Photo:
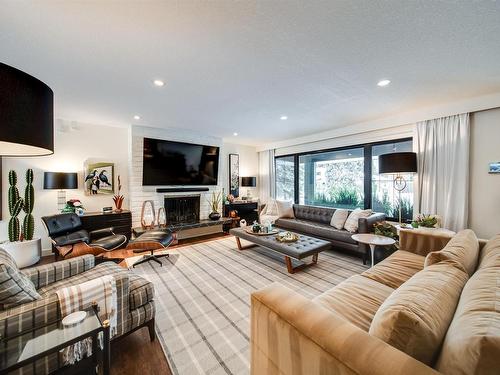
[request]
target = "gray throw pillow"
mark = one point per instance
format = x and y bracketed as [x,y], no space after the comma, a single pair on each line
[15,287]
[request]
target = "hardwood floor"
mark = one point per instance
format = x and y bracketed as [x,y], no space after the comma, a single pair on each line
[135,353]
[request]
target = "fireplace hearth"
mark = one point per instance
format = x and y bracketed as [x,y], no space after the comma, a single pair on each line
[182,209]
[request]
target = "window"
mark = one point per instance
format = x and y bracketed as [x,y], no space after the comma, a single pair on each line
[384,197]
[285,176]
[333,179]
[345,178]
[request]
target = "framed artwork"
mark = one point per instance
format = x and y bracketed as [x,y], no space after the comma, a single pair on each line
[99,178]
[494,167]
[234,175]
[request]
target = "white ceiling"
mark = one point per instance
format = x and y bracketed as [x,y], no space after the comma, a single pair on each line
[238,66]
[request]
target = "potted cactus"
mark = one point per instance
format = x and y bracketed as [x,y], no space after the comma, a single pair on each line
[24,249]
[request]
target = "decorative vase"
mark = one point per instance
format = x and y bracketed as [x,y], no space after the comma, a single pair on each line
[214,216]
[162,218]
[148,217]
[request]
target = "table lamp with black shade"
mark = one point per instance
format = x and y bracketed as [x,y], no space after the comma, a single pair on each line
[60,181]
[249,182]
[397,164]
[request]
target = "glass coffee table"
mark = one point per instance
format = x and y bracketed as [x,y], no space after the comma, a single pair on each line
[24,349]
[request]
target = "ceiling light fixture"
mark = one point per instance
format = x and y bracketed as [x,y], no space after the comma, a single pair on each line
[159,83]
[235,134]
[137,117]
[383,82]
[284,118]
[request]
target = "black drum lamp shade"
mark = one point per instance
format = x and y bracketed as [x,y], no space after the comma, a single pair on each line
[60,180]
[397,162]
[26,114]
[249,181]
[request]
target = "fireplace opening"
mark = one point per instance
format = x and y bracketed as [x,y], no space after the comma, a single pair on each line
[182,209]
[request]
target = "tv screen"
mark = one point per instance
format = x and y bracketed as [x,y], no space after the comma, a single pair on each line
[178,163]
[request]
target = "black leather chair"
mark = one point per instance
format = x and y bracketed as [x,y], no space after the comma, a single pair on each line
[71,239]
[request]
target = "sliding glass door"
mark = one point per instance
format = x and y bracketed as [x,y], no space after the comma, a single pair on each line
[344,178]
[332,179]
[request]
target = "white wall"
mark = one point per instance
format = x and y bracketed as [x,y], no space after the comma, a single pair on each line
[484,193]
[139,193]
[74,143]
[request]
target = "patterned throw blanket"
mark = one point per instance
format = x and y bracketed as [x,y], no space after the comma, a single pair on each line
[79,297]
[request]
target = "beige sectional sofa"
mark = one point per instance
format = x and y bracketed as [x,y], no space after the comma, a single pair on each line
[431,308]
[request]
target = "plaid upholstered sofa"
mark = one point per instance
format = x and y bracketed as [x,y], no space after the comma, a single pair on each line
[136,307]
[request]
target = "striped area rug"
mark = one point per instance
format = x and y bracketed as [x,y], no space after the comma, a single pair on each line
[203,300]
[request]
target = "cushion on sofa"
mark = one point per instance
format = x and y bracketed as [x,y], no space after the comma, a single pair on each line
[356,299]
[462,251]
[416,316]
[472,343]
[315,229]
[490,253]
[15,287]
[339,217]
[285,209]
[271,208]
[396,269]
[352,221]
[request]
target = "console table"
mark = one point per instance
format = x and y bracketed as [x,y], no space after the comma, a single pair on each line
[246,210]
[120,221]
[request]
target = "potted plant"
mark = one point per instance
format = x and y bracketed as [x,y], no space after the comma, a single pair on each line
[118,198]
[214,202]
[73,206]
[426,221]
[25,250]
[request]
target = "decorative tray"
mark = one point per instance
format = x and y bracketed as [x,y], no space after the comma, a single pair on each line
[287,237]
[250,231]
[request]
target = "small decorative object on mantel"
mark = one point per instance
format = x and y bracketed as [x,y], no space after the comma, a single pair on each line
[494,168]
[118,198]
[162,218]
[234,175]
[25,250]
[148,215]
[214,202]
[99,178]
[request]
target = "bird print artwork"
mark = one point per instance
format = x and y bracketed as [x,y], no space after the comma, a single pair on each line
[99,178]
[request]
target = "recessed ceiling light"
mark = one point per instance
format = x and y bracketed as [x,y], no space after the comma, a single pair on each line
[137,117]
[284,118]
[235,134]
[159,82]
[383,82]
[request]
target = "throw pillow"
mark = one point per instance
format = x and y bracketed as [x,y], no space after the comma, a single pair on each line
[416,316]
[339,217]
[285,209]
[15,287]
[462,251]
[352,221]
[271,208]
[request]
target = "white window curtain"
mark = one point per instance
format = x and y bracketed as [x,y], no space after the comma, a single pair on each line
[266,175]
[443,169]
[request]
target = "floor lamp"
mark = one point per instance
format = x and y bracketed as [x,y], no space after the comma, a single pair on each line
[396,164]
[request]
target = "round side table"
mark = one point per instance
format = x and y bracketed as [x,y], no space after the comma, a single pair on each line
[373,240]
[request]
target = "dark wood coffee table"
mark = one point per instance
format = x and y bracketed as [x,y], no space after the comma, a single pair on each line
[304,247]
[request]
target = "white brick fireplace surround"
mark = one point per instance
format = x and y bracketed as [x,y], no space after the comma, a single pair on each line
[138,193]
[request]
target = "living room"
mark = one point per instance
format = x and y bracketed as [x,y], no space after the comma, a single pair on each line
[297,187]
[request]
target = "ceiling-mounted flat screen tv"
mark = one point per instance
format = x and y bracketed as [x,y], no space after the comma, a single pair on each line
[178,163]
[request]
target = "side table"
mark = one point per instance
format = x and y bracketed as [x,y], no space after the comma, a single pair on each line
[373,240]
[21,350]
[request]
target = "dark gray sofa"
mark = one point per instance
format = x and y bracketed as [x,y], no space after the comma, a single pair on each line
[315,221]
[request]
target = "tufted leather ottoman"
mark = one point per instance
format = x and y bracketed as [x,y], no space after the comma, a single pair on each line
[305,247]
